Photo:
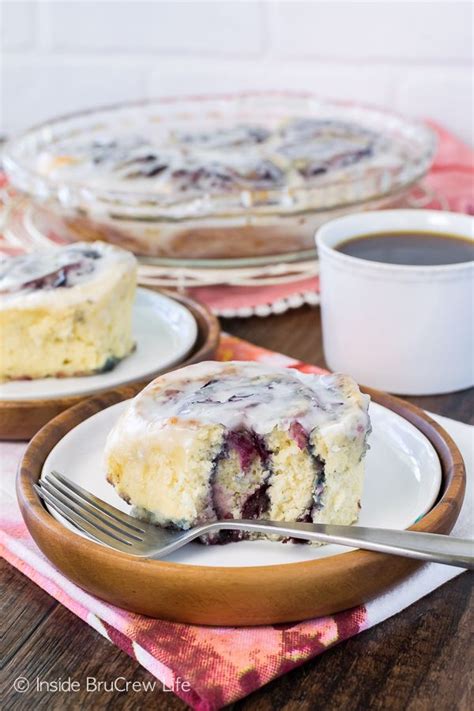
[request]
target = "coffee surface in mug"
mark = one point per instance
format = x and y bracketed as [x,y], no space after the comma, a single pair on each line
[410,248]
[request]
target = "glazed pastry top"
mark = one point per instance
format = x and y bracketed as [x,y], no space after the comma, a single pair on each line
[59,275]
[216,160]
[247,396]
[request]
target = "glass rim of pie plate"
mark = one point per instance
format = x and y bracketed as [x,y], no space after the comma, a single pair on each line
[364,182]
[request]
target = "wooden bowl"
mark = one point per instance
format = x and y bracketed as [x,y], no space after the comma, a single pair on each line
[228,596]
[22,419]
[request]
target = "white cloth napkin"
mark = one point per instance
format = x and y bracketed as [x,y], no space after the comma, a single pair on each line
[431,576]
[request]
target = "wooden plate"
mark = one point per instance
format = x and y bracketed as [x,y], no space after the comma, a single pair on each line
[220,595]
[22,419]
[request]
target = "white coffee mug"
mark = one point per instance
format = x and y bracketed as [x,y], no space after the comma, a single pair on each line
[405,329]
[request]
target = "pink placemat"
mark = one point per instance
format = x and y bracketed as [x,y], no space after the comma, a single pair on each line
[209,667]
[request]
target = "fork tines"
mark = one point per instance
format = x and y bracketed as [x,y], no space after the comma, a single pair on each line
[91,515]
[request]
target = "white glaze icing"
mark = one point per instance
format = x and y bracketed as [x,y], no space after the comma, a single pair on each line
[254,157]
[87,266]
[242,395]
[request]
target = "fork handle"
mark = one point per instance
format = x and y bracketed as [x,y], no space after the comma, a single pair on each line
[430,547]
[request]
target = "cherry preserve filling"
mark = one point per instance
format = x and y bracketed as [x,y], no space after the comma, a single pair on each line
[64,276]
[263,174]
[299,434]
[312,168]
[216,176]
[212,176]
[301,437]
[145,167]
[249,446]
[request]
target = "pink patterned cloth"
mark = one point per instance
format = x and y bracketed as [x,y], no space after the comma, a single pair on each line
[220,664]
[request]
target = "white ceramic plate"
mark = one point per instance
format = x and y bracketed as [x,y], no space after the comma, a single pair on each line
[403,478]
[164,331]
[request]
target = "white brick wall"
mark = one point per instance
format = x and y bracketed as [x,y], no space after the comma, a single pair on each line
[63,55]
[367,31]
[158,27]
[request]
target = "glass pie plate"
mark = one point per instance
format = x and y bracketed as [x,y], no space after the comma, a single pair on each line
[217,178]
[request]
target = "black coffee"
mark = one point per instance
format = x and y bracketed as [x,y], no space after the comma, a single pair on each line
[410,248]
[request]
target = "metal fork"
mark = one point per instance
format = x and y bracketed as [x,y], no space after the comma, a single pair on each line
[109,526]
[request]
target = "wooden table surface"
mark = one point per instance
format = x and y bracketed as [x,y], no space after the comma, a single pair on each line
[419,660]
